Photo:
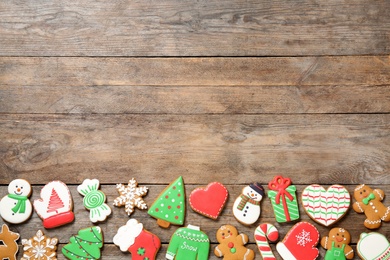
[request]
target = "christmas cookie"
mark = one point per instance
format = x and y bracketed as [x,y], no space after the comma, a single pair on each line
[94,200]
[326,206]
[373,246]
[16,207]
[283,199]
[40,247]
[337,244]
[9,247]
[188,243]
[131,196]
[369,202]
[300,243]
[209,201]
[139,242]
[55,205]
[246,208]
[86,245]
[169,207]
[263,233]
[232,244]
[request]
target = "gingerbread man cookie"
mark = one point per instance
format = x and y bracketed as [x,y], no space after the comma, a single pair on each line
[337,244]
[369,202]
[232,245]
[40,247]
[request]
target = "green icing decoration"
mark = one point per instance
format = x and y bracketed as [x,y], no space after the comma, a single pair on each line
[141,251]
[233,250]
[170,205]
[292,206]
[85,245]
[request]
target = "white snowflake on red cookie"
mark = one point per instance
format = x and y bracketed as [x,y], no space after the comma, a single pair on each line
[40,247]
[303,238]
[131,196]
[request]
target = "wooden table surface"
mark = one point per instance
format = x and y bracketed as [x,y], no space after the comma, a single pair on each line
[228,91]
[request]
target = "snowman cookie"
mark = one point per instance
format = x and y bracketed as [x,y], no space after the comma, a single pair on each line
[16,207]
[55,205]
[246,208]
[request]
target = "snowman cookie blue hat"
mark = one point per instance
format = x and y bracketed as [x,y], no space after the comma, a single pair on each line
[246,208]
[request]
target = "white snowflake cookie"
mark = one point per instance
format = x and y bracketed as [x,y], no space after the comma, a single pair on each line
[131,196]
[94,200]
[40,247]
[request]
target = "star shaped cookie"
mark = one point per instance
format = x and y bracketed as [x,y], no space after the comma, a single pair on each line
[131,196]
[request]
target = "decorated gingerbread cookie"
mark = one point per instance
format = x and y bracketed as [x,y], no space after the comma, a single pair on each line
[169,207]
[141,243]
[326,206]
[246,207]
[369,202]
[55,205]
[131,196]
[39,247]
[16,207]
[263,233]
[85,245]
[232,244]
[209,201]
[94,200]
[188,243]
[300,242]
[283,199]
[9,247]
[373,246]
[337,244]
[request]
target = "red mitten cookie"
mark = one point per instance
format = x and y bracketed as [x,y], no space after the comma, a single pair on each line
[300,242]
[369,202]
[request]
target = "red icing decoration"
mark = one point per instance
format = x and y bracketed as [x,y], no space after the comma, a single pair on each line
[280,184]
[209,201]
[230,244]
[149,242]
[58,220]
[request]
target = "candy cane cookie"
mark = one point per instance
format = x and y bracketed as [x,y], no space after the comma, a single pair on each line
[262,233]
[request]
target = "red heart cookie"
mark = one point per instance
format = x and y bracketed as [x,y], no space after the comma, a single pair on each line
[209,201]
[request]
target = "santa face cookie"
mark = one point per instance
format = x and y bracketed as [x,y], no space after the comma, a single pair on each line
[337,244]
[369,202]
[94,200]
[9,247]
[232,244]
[373,246]
[300,243]
[326,206]
[39,247]
[209,201]
[55,205]
[16,207]
[141,243]
[246,208]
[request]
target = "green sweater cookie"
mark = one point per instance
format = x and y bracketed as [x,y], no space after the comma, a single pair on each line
[188,243]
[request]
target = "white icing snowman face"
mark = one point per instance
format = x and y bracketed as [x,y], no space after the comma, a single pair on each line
[251,193]
[19,187]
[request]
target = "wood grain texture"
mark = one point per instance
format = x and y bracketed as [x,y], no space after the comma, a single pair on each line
[194,28]
[283,71]
[194,99]
[313,148]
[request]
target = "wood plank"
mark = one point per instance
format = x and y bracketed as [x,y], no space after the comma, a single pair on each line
[312,148]
[284,71]
[192,28]
[195,99]
[353,222]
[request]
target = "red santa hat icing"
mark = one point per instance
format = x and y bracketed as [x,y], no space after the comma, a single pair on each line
[139,242]
[300,243]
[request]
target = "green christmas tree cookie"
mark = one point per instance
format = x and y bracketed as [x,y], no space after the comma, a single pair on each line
[86,245]
[169,207]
